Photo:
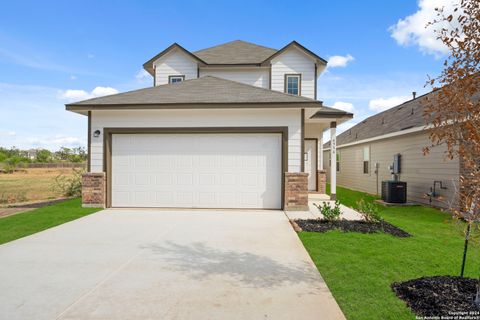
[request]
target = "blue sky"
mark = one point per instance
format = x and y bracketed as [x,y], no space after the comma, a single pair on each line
[53,52]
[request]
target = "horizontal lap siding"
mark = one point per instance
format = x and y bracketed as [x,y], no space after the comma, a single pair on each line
[418,171]
[199,118]
[291,62]
[174,63]
[254,77]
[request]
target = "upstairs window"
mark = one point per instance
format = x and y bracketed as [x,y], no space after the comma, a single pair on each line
[292,84]
[176,79]
[366,160]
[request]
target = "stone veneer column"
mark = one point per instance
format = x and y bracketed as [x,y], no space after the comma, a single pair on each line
[322,181]
[296,191]
[94,190]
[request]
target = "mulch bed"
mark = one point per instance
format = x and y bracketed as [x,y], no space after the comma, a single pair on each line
[440,296]
[318,225]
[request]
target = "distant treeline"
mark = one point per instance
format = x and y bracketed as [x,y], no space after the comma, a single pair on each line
[15,156]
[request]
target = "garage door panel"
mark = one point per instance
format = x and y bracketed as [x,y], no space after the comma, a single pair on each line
[196,170]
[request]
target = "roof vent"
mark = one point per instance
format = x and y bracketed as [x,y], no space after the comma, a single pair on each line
[412,112]
[414,94]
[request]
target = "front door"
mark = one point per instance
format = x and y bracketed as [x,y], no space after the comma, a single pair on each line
[310,158]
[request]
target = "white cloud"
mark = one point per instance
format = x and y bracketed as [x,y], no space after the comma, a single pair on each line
[142,74]
[382,104]
[103,91]
[76,95]
[345,106]
[54,142]
[90,56]
[413,29]
[8,133]
[36,114]
[72,77]
[341,128]
[339,61]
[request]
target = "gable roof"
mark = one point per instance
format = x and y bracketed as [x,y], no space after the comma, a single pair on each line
[233,53]
[405,116]
[148,66]
[205,92]
[295,44]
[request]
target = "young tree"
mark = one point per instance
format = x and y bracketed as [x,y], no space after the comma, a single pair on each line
[43,156]
[453,111]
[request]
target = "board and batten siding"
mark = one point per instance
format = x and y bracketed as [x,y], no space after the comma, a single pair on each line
[257,77]
[417,169]
[174,63]
[293,61]
[198,118]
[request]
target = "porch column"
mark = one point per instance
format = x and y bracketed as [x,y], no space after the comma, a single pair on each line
[333,156]
[320,152]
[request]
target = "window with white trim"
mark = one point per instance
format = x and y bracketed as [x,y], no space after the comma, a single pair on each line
[176,79]
[292,84]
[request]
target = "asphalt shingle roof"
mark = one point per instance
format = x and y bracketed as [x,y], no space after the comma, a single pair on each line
[235,52]
[204,90]
[402,117]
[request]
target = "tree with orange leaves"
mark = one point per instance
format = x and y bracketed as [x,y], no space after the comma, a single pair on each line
[453,111]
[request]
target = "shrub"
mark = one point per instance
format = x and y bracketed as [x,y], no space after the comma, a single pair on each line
[329,213]
[12,163]
[369,211]
[69,186]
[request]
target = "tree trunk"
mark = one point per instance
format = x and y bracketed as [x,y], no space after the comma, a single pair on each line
[467,236]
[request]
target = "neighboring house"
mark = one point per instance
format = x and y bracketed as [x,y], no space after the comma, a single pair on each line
[365,152]
[31,153]
[233,126]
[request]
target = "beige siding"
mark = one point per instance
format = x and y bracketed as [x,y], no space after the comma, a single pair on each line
[418,171]
[253,76]
[174,63]
[290,62]
[199,118]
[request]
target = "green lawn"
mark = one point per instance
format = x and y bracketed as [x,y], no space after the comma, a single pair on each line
[359,268]
[30,222]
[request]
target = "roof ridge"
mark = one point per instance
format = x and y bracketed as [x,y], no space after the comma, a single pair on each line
[233,41]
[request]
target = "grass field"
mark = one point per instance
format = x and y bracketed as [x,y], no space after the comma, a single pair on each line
[359,268]
[30,185]
[27,223]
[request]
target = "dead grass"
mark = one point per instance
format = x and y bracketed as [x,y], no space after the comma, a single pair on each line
[30,185]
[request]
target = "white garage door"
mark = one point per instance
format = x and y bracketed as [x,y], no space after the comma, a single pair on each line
[197,170]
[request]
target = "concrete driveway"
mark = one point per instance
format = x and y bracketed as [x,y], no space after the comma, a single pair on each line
[164,264]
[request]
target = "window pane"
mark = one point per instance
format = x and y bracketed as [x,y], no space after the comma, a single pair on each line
[293,84]
[366,153]
[366,166]
[176,79]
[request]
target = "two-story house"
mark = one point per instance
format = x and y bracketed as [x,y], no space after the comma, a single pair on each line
[233,126]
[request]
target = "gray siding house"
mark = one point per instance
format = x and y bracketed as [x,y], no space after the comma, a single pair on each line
[365,152]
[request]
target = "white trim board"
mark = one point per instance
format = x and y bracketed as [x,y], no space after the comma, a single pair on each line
[385,136]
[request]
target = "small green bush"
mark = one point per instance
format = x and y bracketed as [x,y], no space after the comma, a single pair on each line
[329,213]
[369,211]
[69,186]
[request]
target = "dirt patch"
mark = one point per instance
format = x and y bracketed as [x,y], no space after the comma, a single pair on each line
[439,296]
[18,208]
[31,185]
[318,225]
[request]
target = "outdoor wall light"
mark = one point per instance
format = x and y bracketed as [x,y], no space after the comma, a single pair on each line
[96,133]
